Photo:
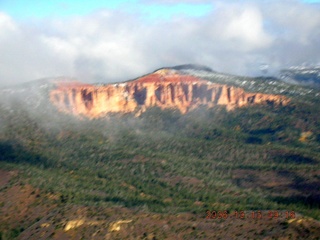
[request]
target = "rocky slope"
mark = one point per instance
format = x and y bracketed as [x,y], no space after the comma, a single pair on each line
[165,88]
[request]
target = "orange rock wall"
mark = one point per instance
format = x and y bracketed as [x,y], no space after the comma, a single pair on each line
[158,89]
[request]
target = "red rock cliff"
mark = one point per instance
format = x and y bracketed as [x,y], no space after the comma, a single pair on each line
[164,88]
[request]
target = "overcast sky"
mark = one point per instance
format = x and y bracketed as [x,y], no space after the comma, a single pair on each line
[107,41]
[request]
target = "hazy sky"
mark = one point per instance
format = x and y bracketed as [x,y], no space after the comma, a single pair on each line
[115,40]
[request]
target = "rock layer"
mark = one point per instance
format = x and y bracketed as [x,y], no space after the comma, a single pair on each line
[164,88]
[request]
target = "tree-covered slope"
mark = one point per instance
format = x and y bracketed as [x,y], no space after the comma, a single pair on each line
[256,158]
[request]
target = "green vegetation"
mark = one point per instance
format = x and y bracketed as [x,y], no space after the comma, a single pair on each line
[253,158]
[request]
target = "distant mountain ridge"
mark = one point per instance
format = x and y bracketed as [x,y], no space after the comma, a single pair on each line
[165,88]
[302,75]
[182,87]
[196,67]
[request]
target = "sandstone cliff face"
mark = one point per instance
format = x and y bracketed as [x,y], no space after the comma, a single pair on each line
[164,88]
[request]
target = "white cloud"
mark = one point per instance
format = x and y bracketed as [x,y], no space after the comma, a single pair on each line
[246,26]
[6,24]
[236,37]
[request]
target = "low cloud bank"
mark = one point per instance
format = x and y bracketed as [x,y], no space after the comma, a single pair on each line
[247,38]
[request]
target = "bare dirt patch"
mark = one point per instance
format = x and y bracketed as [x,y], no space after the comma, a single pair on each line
[5,176]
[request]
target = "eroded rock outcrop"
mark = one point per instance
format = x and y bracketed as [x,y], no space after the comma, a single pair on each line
[164,88]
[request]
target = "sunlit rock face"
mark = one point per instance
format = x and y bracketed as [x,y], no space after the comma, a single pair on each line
[165,88]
